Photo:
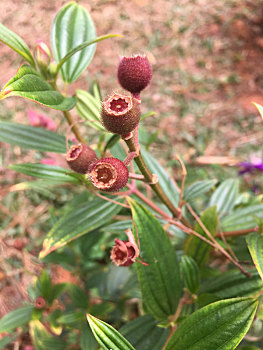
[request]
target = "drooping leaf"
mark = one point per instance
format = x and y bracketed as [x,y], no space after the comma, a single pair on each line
[220,325]
[89,108]
[164,178]
[144,334]
[41,338]
[159,281]
[71,27]
[255,246]
[16,318]
[31,137]
[194,246]
[76,222]
[198,188]
[17,44]
[190,273]
[225,196]
[233,284]
[29,84]
[242,218]
[108,337]
[44,171]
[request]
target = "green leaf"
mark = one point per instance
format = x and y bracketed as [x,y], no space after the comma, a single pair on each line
[160,280]
[89,108]
[233,284]
[259,108]
[220,325]
[12,40]
[41,338]
[107,336]
[194,246]
[71,317]
[242,218]
[78,221]
[225,196]
[165,180]
[45,171]
[87,339]
[78,296]
[82,47]
[144,334]
[16,318]
[31,137]
[45,286]
[148,114]
[29,84]
[255,246]
[198,188]
[190,273]
[72,26]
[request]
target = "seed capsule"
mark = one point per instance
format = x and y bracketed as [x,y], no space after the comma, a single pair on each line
[80,157]
[120,114]
[109,174]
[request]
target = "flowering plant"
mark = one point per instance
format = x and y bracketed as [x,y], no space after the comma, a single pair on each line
[185,279]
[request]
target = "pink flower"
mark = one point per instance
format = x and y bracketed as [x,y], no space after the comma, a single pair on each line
[48,161]
[39,120]
[124,253]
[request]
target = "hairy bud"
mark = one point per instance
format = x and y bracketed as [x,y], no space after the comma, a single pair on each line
[109,174]
[80,157]
[134,73]
[40,303]
[43,55]
[120,114]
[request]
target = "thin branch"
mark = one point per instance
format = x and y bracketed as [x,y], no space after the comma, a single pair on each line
[184,174]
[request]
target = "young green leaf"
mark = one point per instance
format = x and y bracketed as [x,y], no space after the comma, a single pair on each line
[144,334]
[107,336]
[17,44]
[72,26]
[29,84]
[89,108]
[16,318]
[31,137]
[44,171]
[159,281]
[190,273]
[194,246]
[259,108]
[225,196]
[220,325]
[76,222]
[255,246]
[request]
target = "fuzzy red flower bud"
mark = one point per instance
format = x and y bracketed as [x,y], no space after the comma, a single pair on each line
[134,73]
[80,158]
[40,303]
[120,114]
[124,253]
[109,174]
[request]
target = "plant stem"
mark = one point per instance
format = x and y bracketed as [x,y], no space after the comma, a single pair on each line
[156,187]
[74,128]
[238,232]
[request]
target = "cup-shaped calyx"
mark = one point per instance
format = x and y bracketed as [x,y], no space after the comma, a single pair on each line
[109,174]
[120,114]
[134,73]
[80,157]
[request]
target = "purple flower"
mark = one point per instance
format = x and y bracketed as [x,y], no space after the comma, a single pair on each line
[250,167]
